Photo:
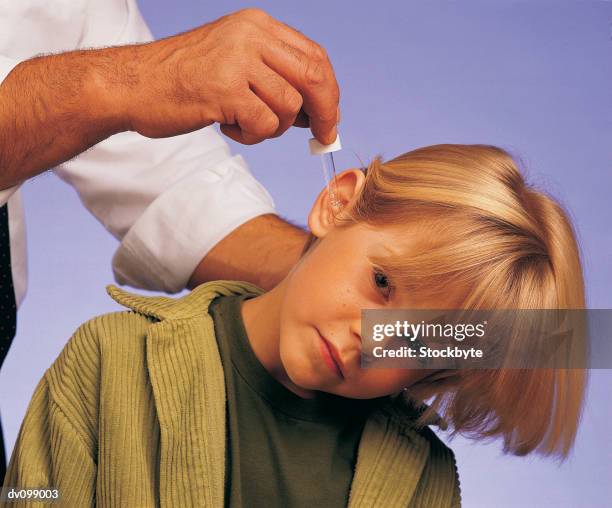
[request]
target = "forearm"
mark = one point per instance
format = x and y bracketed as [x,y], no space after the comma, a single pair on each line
[54,107]
[261,251]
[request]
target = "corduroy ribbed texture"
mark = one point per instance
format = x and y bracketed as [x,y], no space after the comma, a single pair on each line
[132,414]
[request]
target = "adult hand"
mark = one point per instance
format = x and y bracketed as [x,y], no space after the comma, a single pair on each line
[247,71]
[250,73]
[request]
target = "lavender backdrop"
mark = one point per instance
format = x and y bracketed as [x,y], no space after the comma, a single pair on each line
[533,77]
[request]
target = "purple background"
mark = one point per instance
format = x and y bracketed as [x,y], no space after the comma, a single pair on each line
[532,77]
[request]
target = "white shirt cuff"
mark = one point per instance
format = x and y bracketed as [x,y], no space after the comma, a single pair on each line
[167,242]
[6,66]
[5,194]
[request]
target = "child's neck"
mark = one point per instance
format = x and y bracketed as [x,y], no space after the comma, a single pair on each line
[261,317]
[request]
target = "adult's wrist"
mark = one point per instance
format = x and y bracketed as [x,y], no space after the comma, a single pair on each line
[113,78]
[261,251]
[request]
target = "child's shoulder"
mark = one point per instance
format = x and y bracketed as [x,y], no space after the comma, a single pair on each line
[99,341]
[106,329]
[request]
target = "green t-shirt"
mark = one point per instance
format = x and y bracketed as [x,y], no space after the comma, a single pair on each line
[282,450]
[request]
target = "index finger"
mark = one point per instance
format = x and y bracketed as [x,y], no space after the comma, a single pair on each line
[321,101]
[317,82]
[313,77]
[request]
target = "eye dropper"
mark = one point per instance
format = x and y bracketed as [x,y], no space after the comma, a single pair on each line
[329,169]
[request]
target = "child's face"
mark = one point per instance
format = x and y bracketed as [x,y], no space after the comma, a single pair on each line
[321,304]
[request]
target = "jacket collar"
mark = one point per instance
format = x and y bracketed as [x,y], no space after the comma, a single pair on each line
[192,304]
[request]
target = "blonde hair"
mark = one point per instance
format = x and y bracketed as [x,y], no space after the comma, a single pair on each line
[512,247]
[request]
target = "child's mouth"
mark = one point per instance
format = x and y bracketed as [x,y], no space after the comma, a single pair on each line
[328,354]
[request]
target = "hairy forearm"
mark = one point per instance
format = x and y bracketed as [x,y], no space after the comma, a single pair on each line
[261,251]
[54,107]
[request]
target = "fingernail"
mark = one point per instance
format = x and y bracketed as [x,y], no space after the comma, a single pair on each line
[332,137]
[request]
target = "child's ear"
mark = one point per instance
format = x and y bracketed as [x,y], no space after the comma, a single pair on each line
[348,186]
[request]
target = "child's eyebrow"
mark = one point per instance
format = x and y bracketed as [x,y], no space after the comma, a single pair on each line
[385,264]
[378,254]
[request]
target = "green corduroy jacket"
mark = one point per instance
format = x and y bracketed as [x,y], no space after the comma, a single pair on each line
[133,414]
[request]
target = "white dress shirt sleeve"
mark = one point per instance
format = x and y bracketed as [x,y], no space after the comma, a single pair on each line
[6,66]
[10,196]
[169,201]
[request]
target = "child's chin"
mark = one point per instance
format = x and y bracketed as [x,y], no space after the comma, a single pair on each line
[304,377]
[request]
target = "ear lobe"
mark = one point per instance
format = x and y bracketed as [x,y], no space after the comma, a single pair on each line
[348,186]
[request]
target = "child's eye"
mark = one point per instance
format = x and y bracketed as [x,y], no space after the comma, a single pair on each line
[382,282]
